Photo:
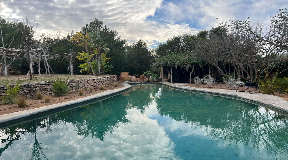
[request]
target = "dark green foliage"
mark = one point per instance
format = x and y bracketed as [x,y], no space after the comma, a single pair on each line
[10,94]
[139,58]
[202,34]
[60,48]
[183,43]
[60,88]
[11,33]
[266,85]
[155,76]
[147,74]
[109,39]
[220,31]
[280,85]
[270,86]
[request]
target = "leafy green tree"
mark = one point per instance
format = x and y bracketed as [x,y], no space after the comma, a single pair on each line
[176,44]
[10,37]
[107,38]
[63,53]
[97,43]
[89,66]
[27,35]
[139,58]
[85,41]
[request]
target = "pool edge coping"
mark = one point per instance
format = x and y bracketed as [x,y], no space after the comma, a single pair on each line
[26,113]
[259,98]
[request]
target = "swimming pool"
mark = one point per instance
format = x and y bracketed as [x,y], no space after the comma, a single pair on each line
[152,122]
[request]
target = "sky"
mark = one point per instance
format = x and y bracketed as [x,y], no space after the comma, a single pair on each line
[153,21]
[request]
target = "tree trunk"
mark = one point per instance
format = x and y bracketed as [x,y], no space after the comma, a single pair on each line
[161,73]
[171,75]
[39,63]
[71,63]
[256,72]
[191,74]
[5,64]
[45,65]
[220,71]
[4,56]
[30,64]
[251,74]
[93,72]
[98,61]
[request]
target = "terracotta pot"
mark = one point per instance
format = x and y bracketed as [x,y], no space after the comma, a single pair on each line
[125,76]
[133,79]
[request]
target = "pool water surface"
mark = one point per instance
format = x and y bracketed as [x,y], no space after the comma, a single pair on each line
[152,122]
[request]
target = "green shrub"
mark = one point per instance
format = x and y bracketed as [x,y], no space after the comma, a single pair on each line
[286,91]
[280,85]
[155,76]
[10,94]
[266,85]
[147,74]
[60,88]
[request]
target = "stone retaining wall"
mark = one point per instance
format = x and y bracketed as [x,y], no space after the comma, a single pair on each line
[46,87]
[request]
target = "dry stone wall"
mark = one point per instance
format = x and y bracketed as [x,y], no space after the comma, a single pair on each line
[46,87]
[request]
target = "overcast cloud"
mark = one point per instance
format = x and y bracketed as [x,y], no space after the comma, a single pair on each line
[153,21]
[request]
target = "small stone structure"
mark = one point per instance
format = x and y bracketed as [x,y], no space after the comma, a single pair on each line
[46,87]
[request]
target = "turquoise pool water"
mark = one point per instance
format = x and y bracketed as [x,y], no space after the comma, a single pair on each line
[144,123]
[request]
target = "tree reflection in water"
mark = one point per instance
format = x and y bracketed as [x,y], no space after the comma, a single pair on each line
[232,121]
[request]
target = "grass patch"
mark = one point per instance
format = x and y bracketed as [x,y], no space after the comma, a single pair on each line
[102,87]
[21,102]
[81,92]
[39,95]
[91,89]
[47,99]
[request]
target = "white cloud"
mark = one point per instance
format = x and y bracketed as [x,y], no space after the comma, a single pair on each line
[141,138]
[129,17]
[126,16]
[216,12]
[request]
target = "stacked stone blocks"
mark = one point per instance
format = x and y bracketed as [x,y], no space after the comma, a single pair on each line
[46,87]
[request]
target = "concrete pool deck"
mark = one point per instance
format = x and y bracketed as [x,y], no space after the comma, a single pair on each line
[21,114]
[270,100]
